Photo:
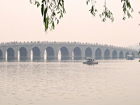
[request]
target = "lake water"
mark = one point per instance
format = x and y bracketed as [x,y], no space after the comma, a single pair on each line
[111,82]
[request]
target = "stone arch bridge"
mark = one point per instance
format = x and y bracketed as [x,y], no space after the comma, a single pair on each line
[68,50]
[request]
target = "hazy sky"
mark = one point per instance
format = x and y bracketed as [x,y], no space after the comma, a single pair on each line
[22,21]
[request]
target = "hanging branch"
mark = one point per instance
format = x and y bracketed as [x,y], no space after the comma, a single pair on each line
[106,14]
[52,11]
[127,9]
[92,10]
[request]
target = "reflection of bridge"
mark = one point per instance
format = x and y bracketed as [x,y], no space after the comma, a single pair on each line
[69,50]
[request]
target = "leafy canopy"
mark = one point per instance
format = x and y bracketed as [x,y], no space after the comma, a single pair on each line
[53,10]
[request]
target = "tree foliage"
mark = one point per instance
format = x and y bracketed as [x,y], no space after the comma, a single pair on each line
[53,10]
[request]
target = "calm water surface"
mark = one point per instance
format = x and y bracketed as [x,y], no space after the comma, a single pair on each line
[111,82]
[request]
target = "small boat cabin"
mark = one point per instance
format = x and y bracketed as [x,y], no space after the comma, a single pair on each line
[129,57]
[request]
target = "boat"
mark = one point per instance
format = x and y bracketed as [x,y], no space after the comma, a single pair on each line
[129,57]
[90,61]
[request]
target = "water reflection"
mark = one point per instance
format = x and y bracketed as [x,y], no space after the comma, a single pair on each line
[70,83]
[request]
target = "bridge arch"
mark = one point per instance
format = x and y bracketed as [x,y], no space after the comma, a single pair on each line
[23,53]
[127,53]
[107,54]
[98,53]
[50,53]
[1,54]
[10,54]
[74,50]
[88,52]
[77,53]
[36,53]
[114,54]
[121,54]
[64,53]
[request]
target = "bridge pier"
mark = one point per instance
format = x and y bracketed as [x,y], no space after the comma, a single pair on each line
[82,57]
[93,53]
[3,57]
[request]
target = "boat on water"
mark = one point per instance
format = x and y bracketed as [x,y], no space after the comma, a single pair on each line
[129,57]
[90,61]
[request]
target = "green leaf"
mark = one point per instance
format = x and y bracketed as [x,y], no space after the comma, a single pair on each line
[37,3]
[53,25]
[57,21]
[124,18]
[45,12]
[112,19]
[47,23]
[43,1]
[61,15]
[53,14]
[96,10]
[42,9]
[87,2]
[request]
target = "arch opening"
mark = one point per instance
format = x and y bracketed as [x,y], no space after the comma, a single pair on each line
[114,54]
[121,55]
[64,55]
[36,53]
[107,54]
[22,53]
[10,54]
[77,53]
[98,53]
[50,53]
[88,52]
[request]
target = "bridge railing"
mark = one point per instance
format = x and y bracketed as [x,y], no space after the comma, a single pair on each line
[54,42]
